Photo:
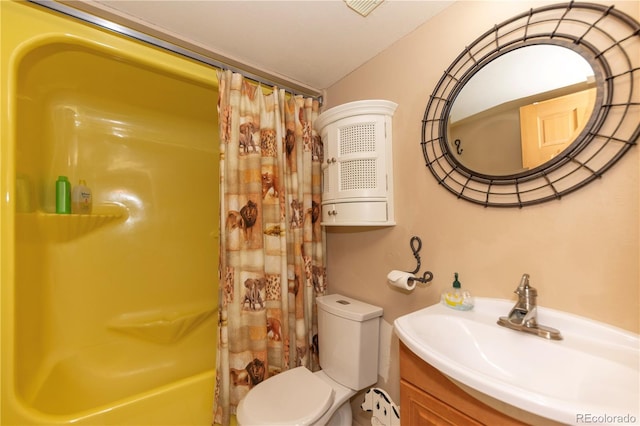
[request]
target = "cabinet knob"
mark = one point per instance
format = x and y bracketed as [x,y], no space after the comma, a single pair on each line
[331,160]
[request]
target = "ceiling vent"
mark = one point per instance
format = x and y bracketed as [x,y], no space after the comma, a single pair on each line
[363,7]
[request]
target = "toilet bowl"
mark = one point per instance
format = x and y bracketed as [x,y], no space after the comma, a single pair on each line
[348,332]
[297,397]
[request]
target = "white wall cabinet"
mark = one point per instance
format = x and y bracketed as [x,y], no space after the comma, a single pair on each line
[357,167]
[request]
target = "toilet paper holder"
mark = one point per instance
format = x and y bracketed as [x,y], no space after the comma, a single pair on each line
[427,276]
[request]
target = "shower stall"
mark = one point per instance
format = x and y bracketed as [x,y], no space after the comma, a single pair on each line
[108,317]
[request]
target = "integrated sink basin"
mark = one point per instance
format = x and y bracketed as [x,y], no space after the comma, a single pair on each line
[591,376]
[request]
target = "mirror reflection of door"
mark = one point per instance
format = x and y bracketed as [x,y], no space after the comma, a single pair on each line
[548,127]
[485,115]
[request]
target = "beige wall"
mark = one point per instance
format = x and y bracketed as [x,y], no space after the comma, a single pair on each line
[582,251]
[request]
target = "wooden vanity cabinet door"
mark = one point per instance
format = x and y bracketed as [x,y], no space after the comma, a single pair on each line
[428,397]
[420,408]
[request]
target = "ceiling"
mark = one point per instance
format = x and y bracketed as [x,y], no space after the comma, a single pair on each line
[310,43]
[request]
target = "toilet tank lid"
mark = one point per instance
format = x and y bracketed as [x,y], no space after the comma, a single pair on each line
[348,308]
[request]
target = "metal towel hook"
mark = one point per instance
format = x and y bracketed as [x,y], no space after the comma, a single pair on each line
[427,276]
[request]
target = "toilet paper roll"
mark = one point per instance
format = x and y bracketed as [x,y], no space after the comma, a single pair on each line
[401,279]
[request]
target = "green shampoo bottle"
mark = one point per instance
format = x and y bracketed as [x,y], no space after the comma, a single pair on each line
[63,195]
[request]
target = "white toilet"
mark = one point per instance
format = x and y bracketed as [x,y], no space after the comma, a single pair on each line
[348,345]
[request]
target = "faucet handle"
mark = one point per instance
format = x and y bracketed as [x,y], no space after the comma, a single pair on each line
[523,286]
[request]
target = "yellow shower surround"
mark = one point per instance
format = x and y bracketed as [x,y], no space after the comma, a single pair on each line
[108,318]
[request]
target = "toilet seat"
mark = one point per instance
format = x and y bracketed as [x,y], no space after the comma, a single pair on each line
[293,397]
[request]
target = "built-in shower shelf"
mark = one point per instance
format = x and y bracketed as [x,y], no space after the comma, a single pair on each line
[64,227]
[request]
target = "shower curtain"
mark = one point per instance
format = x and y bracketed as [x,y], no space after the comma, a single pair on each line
[271,247]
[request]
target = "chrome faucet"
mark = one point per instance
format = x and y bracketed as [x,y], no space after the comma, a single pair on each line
[525,312]
[524,315]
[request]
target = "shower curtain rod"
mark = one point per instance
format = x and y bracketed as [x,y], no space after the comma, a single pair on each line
[180,47]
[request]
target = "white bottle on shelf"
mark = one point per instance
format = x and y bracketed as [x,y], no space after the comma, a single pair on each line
[81,198]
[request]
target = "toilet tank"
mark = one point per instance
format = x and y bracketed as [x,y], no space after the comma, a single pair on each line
[348,339]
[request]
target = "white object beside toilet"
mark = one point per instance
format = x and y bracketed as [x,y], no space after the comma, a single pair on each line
[348,335]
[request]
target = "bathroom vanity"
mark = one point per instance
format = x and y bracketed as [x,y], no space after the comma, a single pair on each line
[462,367]
[427,397]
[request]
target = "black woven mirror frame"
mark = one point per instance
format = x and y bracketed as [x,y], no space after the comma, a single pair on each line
[609,40]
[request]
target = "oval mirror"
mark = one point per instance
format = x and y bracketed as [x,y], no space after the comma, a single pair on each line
[493,126]
[537,107]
